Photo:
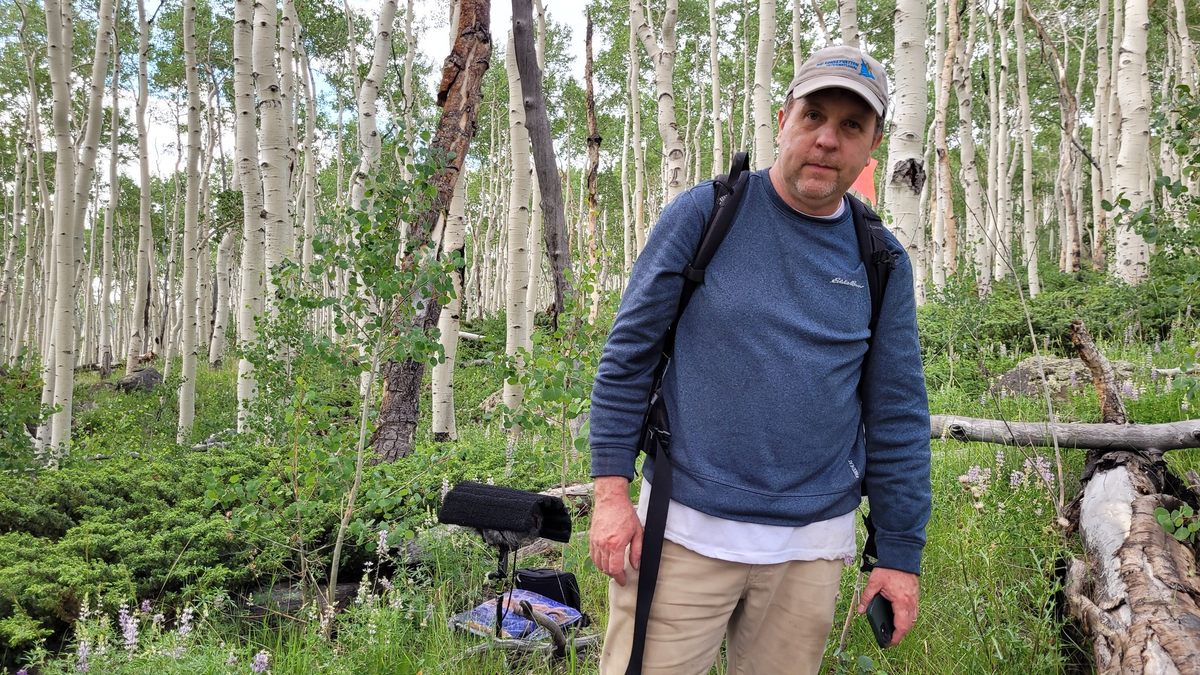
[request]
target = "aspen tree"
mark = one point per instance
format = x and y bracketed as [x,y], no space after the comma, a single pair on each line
[444,427]
[764,66]
[593,168]
[250,305]
[848,21]
[662,55]
[73,208]
[744,143]
[518,222]
[1028,215]
[945,230]
[187,315]
[138,326]
[369,142]
[639,156]
[106,333]
[273,151]
[8,278]
[976,218]
[906,168]
[1129,180]
[714,67]
[537,216]
[554,230]
[1002,204]
[454,232]
[1113,137]
[216,346]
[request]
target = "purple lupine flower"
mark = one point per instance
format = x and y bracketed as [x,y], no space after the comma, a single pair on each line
[81,656]
[381,550]
[1016,479]
[973,474]
[1074,380]
[1000,459]
[262,661]
[22,672]
[145,608]
[129,627]
[185,621]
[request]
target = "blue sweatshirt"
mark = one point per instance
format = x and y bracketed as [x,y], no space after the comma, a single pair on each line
[763,392]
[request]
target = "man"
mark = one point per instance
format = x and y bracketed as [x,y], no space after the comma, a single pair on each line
[770,441]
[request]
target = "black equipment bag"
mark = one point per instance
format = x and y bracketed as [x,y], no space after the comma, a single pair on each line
[554,584]
[655,438]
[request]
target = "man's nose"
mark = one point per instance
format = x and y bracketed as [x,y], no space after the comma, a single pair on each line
[827,136]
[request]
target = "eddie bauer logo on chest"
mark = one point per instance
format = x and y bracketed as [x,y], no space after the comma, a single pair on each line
[845,282]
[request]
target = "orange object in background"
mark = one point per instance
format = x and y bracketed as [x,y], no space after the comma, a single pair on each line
[864,185]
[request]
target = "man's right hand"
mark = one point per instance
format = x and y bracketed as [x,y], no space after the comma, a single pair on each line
[615,526]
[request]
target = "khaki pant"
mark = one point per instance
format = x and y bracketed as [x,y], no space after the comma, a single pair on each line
[776,617]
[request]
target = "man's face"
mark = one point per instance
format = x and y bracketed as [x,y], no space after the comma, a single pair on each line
[825,140]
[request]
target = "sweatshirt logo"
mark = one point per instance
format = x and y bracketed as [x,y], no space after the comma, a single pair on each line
[853,469]
[845,282]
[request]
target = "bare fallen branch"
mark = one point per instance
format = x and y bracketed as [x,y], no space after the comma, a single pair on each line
[1135,437]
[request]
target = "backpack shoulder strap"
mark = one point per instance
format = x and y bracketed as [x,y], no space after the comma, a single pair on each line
[727,194]
[878,261]
[872,246]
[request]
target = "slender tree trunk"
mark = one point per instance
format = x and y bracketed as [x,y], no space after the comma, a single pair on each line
[216,348]
[764,67]
[714,67]
[663,57]
[106,333]
[906,174]
[1130,177]
[137,332]
[848,20]
[369,143]
[593,170]
[1028,214]
[250,305]
[518,236]
[944,237]
[444,428]
[639,156]
[975,215]
[191,226]
[553,208]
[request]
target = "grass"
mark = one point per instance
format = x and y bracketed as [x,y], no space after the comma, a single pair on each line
[989,581]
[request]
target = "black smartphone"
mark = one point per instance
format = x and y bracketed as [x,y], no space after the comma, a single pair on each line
[879,615]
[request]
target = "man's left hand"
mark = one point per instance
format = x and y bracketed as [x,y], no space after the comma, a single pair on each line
[902,589]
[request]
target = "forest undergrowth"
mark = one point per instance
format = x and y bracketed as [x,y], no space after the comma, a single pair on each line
[138,555]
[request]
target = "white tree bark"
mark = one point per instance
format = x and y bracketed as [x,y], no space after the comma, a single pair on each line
[1129,180]
[764,67]
[444,427]
[369,143]
[714,68]
[906,172]
[517,330]
[74,209]
[273,151]
[639,155]
[250,305]
[216,346]
[106,265]
[1028,214]
[191,226]
[975,215]
[137,332]
[663,57]
[848,20]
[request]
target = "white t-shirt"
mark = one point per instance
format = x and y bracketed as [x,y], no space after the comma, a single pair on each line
[754,543]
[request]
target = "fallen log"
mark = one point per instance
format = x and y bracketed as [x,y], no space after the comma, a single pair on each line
[1138,594]
[1103,437]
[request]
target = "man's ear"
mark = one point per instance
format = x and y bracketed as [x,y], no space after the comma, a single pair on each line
[782,110]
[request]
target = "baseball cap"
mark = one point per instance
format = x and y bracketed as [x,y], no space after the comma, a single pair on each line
[842,67]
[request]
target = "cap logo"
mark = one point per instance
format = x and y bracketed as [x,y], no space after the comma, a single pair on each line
[866,71]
